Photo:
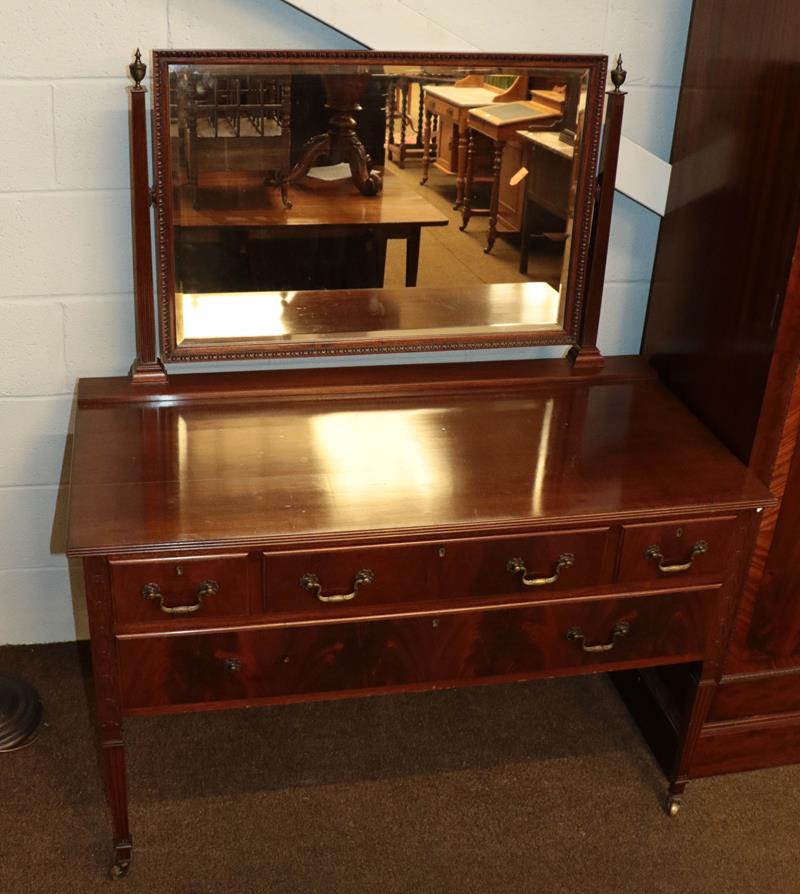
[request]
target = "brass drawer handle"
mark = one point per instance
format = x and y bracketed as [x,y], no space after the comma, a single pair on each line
[576,634]
[517,566]
[362,578]
[207,588]
[653,553]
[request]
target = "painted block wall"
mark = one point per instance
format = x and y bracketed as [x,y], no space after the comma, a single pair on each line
[65,273]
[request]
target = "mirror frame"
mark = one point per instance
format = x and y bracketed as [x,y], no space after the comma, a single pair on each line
[243,349]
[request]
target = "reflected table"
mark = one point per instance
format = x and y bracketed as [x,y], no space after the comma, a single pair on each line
[320,210]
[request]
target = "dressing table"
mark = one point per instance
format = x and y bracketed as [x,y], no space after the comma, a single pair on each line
[249,538]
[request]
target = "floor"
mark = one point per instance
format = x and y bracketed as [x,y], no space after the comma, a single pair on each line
[450,257]
[543,787]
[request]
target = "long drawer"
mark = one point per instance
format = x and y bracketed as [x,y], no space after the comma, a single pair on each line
[335,583]
[422,651]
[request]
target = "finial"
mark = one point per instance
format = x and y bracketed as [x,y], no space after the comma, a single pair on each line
[138,69]
[618,74]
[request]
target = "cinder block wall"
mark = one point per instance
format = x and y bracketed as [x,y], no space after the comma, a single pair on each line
[65,272]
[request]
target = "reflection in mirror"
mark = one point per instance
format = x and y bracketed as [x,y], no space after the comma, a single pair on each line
[298,190]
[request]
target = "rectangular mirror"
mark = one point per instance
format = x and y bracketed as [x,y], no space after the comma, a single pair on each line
[346,203]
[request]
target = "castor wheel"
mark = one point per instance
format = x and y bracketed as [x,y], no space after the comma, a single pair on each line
[673,806]
[120,869]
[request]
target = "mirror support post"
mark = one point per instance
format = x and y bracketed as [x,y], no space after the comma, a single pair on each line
[585,353]
[147,368]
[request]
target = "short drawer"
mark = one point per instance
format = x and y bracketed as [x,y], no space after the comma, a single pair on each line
[438,106]
[676,550]
[418,652]
[327,583]
[533,565]
[169,590]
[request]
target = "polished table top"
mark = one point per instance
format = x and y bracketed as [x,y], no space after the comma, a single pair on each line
[246,472]
[315,203]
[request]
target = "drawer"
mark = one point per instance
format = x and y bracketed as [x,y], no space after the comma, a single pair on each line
[677,550]
[534,565]
[419,652]
[332,582]
[339,582]
[438,106]
[170,590]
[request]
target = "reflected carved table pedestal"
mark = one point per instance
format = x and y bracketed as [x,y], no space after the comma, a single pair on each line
[341,142]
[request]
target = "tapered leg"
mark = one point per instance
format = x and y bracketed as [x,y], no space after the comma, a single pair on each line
[426,148]
[466,212]
[412,256]
[379,254]
[495,199]
[109,715]
[701,703]
[525,235]
[113,756]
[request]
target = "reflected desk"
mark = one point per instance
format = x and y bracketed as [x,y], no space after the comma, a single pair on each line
[501,125]
[549,185]
[449,105]
[254,538]
[320,210]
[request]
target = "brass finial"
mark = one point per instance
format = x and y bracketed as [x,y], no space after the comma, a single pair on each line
[618,74]
[138,69]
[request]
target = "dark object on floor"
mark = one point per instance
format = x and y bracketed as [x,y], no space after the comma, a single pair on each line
[20,713]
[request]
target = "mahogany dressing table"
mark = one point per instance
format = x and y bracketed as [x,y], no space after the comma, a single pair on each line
[251,538]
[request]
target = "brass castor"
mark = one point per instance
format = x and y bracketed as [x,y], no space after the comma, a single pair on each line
[674,805]
[120,869]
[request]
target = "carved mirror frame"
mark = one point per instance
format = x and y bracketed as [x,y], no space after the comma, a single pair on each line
[584,235]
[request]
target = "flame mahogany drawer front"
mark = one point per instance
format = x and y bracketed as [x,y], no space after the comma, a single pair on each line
[676,550]
[177,589]
[421,652]
[337,582]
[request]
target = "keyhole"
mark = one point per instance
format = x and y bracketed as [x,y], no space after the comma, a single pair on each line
[179,570]
[679,532]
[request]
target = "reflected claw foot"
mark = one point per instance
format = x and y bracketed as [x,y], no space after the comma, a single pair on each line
[423,181]
[120,869]
[674,805]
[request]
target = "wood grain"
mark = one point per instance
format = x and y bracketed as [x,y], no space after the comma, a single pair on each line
[252,473]
[501,644]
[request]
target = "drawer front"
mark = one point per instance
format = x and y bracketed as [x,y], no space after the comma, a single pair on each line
[175,589]
[439,106]
[337,583]
[676,550]
[535,565]
[330,583]
[417,652]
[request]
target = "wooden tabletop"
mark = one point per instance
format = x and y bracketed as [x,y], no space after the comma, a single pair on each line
[463,97]
[550,140]
[217,471]
[315,203]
